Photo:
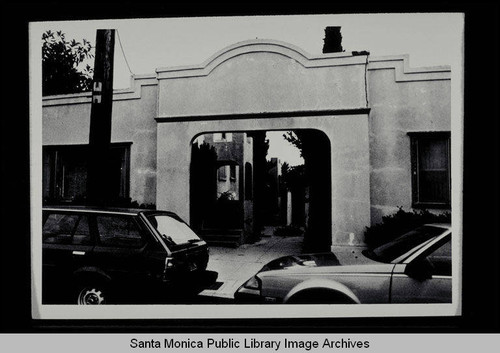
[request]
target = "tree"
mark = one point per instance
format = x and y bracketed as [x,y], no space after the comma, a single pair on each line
[295,141]
[61,64]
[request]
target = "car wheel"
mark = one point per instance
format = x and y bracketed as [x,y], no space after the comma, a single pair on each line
[92,294]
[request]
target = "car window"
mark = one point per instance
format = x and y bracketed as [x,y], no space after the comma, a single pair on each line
[441,259]
[172,229]
[404,244]
[60,228]
[119,232]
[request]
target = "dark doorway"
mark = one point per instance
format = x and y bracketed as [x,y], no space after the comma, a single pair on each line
[238,189]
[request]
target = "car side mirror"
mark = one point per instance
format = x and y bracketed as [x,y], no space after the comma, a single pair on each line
[419,270]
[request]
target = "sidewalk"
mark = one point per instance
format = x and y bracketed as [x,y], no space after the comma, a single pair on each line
[236,265]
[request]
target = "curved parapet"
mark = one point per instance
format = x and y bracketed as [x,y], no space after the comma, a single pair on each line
[261,46]
[257,76]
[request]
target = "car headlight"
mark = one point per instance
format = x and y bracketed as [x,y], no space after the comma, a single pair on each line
[253,283]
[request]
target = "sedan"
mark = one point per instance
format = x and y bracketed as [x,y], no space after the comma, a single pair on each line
[413,268]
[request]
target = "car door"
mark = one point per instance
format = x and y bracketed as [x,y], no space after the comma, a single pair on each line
[120,251]
[67,244]
[426,278]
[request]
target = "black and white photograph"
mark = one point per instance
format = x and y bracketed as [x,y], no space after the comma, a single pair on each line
[247,166]
[259,180]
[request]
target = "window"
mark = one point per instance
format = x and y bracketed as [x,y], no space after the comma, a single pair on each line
[430,159]
[65,172]
[172,229]
[441,260]
[60,228]
[221,173]
[119,232]
[232,172]
[399,249]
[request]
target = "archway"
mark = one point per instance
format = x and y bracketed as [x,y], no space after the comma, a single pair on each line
[266,85]
[237,189]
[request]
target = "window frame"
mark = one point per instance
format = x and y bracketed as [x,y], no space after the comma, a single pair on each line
[222,173]
[415,139]
[128,218]
[79,216]
[54,157]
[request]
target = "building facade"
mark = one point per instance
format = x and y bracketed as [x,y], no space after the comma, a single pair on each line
[383,127]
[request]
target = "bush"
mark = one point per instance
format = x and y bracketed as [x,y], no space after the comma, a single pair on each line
[399,223]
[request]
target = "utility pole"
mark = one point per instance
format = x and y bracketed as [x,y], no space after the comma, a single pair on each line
[98,175]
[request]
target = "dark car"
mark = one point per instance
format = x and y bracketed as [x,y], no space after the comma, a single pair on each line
[413,268]
[103,256]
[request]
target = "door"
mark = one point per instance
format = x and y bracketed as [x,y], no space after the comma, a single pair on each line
[426,279]
[67,245]
[121,249]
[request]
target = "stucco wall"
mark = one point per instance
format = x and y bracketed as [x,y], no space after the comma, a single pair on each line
[268,85]
[233,91]
[261,76]
[401,103]
[348,135]
[66,120]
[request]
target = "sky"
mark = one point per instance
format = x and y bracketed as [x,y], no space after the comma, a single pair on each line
[143,45]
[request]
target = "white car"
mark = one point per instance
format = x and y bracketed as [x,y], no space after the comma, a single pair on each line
[413,268]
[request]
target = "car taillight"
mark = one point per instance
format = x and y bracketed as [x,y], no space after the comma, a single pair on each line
[253,283]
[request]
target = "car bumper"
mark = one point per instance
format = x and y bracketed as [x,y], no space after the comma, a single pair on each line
[193,282]
[252,296]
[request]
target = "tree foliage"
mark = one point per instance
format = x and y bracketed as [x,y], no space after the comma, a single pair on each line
[295,141]
[293,177]
[63,64]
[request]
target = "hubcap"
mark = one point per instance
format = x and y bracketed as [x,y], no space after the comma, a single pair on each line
[90,296]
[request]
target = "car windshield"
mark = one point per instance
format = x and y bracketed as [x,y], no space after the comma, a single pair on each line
[173,230]
[394,249]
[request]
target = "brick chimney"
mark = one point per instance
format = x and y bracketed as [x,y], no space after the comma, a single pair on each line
[332,40]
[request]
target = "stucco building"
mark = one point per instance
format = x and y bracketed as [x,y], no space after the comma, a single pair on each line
[382,127]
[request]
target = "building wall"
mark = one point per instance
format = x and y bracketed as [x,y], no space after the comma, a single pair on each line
[349,159]
[401,101]
[66,120]
[262,76]
[237,90]
[365,106]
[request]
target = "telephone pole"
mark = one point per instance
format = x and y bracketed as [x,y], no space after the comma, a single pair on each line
[98,175]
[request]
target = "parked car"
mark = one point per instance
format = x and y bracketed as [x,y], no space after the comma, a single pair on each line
[414,268]
[101,256]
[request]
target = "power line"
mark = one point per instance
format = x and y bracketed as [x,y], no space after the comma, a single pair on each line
[123,52]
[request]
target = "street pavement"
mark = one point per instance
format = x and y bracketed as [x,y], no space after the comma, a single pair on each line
[236,265]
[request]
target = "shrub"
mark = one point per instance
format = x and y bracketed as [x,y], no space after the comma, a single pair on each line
[399,223]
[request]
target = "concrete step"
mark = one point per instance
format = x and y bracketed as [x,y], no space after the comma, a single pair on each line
[222,237]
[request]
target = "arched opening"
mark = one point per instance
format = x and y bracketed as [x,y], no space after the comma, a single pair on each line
[239,190]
